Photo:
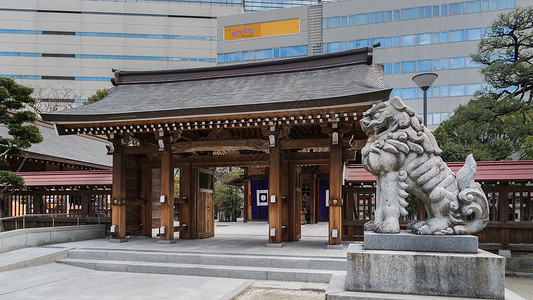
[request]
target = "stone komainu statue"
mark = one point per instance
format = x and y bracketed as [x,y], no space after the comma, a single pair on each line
[404,156]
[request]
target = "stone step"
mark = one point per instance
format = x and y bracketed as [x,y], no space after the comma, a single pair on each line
[226,271]
[286,262]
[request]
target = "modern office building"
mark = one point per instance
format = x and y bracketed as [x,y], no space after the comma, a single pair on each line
[434,36]
[67,48]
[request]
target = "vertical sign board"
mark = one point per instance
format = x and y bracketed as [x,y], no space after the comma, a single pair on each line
[261,30]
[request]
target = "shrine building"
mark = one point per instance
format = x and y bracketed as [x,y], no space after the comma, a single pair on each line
[281,116]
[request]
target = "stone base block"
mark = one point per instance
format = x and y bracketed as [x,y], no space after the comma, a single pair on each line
[336,291]
[334,247]
[118,240]
[480,275]
[407,241]
[166,242]
[273,245]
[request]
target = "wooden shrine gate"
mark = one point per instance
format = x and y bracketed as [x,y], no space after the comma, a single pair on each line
[281,114]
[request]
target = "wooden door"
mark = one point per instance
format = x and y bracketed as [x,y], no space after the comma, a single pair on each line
[205,203]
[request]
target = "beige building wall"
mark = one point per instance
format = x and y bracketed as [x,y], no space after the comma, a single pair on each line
[62,44]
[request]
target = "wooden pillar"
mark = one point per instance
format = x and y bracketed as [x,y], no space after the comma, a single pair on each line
[286,219]
[313,215]
[274,200]
[167,195]
[188,206]
[335,193]
[146,192]
[503,200]
[246,200]
[118,208]
[294,217]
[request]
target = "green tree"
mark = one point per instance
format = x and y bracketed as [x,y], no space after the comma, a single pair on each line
[21,134]
[98,95]
[497,123]
[228,198]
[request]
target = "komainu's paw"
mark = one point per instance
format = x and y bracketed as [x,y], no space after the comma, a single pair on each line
[390,225]
[411,225]
[370,226]
[433,226]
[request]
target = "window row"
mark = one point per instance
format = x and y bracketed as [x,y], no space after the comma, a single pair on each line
[38,77]
[421,12]
[271,53]
[454,90]
[471,34]
[452,63]
[100,56]
[112,34]
[437,118]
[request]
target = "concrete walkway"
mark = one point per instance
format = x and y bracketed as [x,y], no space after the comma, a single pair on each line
[36,278]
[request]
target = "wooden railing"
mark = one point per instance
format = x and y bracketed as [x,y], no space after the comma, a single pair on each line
[511,215]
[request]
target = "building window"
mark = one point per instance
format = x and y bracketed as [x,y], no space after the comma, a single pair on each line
[283,52]
[351,20]
[351,45]
[409,93]
[473,34]
[424,65]
[303,50]
[396,15]
[485,5]
[397,68]
[344,21]
[266,54]
[457,90]
[379,40]
[377,17]
[471,89]
[444,37]
[408,13]
[444,64]
[423,38]
[333,47]
[361,43]
[397,41]
[408,66]
[436,37]
[436,11]
[293,51]
[424,12]
[361,19]
[408,40]
[238,56]
[471,63]
[493,4]
[457,8]
[333,22]
[436,64]
[344,46]
[457,63]
[435,91]
[472,7]
[444,10]
[507,4]
[388,42]
[457,35]
[444,91]
[388,68]
[388,16]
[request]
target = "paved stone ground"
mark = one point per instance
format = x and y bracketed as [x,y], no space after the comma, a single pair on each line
[57,281]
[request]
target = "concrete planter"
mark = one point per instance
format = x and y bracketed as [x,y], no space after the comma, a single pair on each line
[22,238]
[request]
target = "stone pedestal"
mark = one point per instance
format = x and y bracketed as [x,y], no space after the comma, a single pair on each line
[480,275]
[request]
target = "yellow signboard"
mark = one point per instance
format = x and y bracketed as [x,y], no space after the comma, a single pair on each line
[261,30]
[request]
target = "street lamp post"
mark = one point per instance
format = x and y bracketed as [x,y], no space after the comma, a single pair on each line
[424,81]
